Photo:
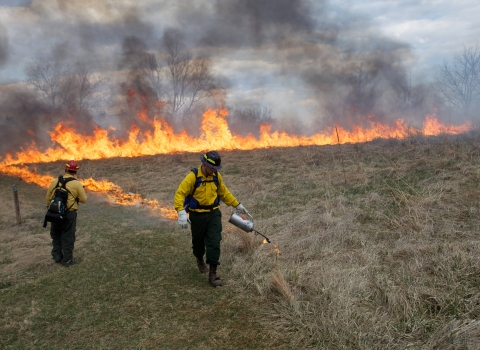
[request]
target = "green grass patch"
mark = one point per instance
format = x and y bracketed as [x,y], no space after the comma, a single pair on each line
[136,286]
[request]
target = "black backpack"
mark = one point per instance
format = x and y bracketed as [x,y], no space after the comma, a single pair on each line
[57,209]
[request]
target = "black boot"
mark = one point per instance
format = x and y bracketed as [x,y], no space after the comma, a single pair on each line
[202,267]
[212,276]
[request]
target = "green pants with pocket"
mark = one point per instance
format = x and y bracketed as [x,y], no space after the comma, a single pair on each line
[206,235]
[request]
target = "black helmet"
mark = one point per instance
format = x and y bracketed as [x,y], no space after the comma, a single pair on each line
[212,159]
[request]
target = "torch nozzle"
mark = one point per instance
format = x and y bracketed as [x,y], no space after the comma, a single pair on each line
[258,233]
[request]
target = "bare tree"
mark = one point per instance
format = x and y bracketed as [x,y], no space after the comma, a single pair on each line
[189,79]
[51,80]
[410,96]
[89,88]
[64,87]
[364,90]
[247,119]
[201,81]
[178,61]
[178,79]
[459,83]
[151,69]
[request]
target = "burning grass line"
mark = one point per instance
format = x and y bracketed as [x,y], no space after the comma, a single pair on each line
[214,134]
[113,192]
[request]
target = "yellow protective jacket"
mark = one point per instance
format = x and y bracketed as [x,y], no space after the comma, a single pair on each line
[75,188]
[205,194]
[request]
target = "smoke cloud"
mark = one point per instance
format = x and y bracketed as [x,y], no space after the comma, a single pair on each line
[3,45]
[303,64]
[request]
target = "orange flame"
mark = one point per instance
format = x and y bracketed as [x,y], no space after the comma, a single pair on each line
[116,195]
[215,134]
[432,127]
[26,175]
[277,251]
[112,191]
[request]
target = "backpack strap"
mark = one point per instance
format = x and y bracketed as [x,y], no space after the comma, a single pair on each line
[195,171]
[63,182]
[198,182]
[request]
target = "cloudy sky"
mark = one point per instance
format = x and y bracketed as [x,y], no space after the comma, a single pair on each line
[435,29]
[286,53]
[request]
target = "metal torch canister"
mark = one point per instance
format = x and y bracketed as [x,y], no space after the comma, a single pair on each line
[241,222]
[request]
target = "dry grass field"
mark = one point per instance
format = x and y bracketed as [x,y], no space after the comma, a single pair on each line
[379,249]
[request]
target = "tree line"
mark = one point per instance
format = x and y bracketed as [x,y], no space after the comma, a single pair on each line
[179,81]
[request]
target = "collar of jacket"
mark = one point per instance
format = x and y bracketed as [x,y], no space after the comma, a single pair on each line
[200,173]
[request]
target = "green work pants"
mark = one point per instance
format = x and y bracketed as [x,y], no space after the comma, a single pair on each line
[206,235]
[63,237]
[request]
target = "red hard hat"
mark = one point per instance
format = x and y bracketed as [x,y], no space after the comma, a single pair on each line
[71,166]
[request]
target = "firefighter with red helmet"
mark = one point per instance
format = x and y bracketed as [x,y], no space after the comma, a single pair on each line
[200,194]
[63,233]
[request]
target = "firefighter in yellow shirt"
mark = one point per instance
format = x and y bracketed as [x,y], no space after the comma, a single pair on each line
[200,194]
[63,233]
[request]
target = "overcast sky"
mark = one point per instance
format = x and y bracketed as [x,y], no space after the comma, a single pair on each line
[279,51]
[436,29]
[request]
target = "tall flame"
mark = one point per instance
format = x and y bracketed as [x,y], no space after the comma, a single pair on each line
[215,134]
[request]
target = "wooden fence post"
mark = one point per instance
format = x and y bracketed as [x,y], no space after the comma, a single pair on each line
[17,205]
[341,155]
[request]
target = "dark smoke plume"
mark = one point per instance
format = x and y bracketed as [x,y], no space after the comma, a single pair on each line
[240,23]
[339,57]
[338,61]
[21,120]
[3,45]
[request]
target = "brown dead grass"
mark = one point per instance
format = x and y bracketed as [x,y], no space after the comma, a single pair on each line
[25,249]
[22,248]
[379,244]
[279,286]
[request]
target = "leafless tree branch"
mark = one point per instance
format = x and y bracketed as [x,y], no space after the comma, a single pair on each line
[48,78]
[459,82]
[64,87]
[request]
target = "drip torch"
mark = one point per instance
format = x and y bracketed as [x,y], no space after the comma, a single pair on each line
[245,224]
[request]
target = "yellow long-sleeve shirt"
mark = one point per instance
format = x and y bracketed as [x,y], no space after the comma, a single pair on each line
[76,189]
[205,194]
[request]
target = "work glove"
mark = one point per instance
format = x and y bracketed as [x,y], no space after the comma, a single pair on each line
[241,209]
[182,219]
